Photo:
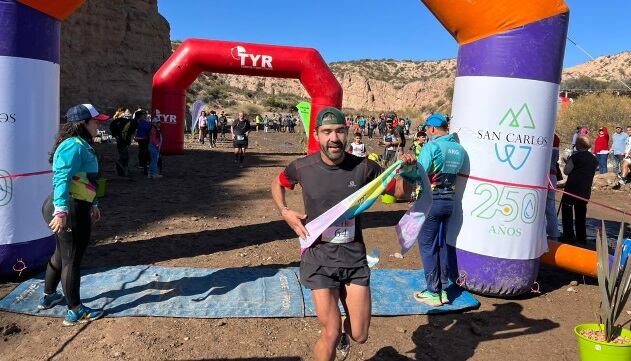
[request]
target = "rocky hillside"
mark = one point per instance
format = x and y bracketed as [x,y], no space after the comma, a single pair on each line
[369,85]
[604,68]
[382,85]
[110,51]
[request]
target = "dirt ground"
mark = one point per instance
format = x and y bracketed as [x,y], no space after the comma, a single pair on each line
[208,213]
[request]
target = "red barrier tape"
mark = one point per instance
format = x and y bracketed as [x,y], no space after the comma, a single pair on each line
[502,183]
[15,176]
[550,186]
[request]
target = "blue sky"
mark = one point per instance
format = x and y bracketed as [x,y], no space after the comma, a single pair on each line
[373,29]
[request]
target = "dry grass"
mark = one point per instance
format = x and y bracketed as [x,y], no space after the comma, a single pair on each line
[594,111]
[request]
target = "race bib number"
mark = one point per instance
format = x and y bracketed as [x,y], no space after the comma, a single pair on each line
[240,137]
[343,232]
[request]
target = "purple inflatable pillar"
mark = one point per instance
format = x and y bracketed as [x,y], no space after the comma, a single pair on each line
[29,118]
[504,112]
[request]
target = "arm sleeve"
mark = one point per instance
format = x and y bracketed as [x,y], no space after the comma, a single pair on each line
[374,170]
[288,178]
[569,166]
[66,164]
[425,158]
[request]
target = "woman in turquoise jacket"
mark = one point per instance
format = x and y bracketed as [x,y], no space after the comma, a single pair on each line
[71,209]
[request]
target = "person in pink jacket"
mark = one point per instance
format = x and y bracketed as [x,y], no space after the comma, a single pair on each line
[155,143]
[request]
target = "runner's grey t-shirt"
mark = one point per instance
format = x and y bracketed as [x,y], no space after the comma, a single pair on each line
[324,186]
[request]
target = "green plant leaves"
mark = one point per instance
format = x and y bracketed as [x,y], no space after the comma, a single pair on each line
[614,282]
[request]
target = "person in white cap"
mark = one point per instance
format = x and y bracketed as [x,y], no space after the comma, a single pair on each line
[71,209]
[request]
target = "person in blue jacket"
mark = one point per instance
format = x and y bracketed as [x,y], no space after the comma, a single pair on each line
[443,159]
[142,138]
[213,124]
[71,209]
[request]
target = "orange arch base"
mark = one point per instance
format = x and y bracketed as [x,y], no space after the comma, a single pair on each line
[570,258]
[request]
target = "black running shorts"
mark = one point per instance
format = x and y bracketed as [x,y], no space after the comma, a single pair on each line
[318,277]
[240,144]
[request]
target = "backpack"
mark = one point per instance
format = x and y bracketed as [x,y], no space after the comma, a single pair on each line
[158,132]
[401,133]
[116,127]
[129,129]
[143,130]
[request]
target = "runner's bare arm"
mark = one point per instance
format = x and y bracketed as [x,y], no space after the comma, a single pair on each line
[293,218]
[403,188]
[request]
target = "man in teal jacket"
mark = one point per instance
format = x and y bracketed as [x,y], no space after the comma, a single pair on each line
[442,158]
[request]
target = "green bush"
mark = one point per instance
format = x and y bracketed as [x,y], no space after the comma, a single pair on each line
[584,82]
[285,102]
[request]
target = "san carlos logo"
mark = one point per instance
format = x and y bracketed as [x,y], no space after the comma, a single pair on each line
[8,118]
[514,146]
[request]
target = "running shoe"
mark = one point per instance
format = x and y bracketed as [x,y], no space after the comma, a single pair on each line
[49,301]
[81,315]
[443,297]
[343,347]
[621,180]
[428,298]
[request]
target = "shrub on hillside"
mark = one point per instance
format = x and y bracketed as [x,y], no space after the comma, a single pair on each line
[584,82]
[587,83]
[594,111]
[251,110]
[285,102]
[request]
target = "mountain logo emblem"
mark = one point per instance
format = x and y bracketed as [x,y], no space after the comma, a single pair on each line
[521,119]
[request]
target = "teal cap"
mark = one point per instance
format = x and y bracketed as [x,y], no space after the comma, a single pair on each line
[436,120]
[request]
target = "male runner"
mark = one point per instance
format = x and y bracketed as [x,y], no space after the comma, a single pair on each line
[240,130]
[335,266]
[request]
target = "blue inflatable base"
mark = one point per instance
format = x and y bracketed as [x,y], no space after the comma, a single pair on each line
[222,293]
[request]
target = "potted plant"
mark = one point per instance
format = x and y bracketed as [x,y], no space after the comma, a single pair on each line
[606,340]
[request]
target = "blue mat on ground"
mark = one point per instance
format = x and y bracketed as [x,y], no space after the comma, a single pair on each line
[221,293]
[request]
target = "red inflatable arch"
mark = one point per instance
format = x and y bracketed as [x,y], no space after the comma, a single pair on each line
[195,56]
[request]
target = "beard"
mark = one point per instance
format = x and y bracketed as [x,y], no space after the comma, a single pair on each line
[333,150]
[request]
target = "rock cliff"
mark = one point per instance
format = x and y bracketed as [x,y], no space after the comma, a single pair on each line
[110,51]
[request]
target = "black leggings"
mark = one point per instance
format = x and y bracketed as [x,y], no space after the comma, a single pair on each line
[573,213]
[143,152]
[70,247]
